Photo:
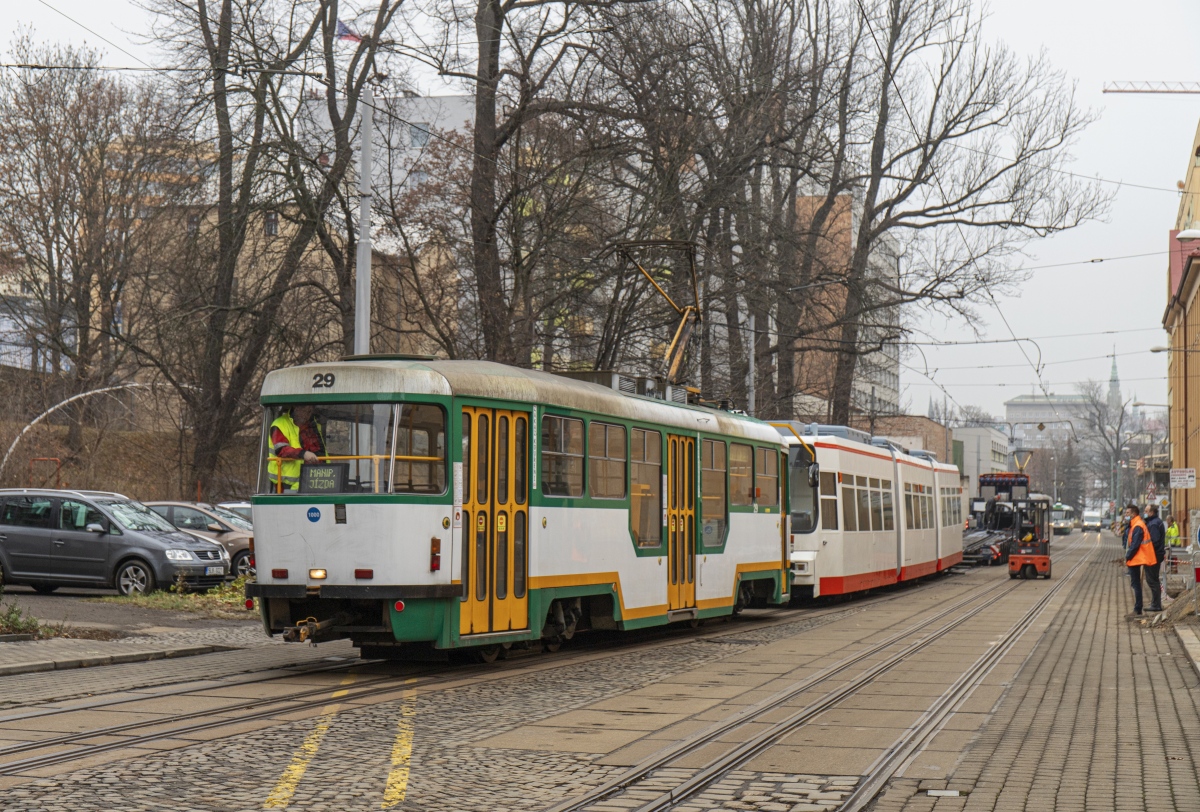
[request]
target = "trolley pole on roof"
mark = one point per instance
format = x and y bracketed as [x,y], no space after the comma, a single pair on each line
[750,383]
[362,270]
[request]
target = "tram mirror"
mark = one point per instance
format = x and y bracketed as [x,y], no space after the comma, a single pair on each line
[814,475]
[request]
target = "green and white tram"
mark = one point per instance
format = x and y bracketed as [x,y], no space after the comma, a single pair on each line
[1062,519]
[468,504]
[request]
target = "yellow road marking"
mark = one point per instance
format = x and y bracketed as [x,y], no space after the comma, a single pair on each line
[293,774]
[397,782]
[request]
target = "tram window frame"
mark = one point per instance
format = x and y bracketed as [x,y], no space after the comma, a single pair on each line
[849,506]
[558,456]
[714,489]
[766,477]
[889,512]
[601,465]
[741,475]
[804,501]
[435,446]
[829,500]
[645,471]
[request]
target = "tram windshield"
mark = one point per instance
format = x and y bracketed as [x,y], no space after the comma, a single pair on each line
[1060,514]
[360,450]
[802,490]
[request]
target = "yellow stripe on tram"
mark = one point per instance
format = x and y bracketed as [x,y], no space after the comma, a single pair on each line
[293,774]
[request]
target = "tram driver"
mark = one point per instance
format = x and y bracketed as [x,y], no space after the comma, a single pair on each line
[296,438]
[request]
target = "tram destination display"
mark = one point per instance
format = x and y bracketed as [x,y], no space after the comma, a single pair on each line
[329,477]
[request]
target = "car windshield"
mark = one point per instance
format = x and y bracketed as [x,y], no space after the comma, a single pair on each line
[233,518]
[136,516]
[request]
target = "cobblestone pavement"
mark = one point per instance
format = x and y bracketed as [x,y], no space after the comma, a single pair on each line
[1104,715]
[23,690]
[350,756]
[528,739]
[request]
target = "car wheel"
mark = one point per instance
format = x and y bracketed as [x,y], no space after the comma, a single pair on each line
[135,578]
[241,566]
[44,589]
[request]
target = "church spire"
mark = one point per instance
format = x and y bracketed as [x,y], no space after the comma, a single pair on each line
[1114,388]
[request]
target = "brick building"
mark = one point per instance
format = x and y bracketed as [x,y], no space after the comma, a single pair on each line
[1182,323]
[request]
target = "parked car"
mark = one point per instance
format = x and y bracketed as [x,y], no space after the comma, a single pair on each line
[51,538]
[242,509]
[223,526]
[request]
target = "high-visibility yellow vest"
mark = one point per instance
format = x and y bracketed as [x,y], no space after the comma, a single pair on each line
[288,469]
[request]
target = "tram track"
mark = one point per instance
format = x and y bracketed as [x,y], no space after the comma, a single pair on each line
[886,766]
[263,708]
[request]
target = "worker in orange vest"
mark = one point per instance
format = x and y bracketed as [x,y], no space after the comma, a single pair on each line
[1139,552]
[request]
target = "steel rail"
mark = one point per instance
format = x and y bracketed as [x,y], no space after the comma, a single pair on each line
[376,687]
[661,635]
[753,746]
[879,773]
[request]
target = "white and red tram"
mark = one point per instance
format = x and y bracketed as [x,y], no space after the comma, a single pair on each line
[878,515]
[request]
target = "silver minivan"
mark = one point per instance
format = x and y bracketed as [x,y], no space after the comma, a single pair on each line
[52,538]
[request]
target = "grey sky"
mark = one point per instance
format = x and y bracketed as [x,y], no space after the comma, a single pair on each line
[1142,140]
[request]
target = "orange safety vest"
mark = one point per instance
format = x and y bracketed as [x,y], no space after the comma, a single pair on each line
[1145,554]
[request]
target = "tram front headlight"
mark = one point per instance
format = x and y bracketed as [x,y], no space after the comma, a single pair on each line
[317,575]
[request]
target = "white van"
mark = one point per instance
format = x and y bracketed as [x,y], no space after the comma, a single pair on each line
[1093,520]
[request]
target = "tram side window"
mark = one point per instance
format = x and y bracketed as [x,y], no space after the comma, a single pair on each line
[864,503]
[712,490]
[910,515]
[766,479]
[422,440]
[889,517]
[849,505]
[645,480]
[741,475]
[829,507]
[606,460]
[562,456]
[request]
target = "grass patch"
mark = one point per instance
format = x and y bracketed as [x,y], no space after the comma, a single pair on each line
[225,601]
[14,620]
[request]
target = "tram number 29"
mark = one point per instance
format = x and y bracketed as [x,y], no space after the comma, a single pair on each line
[323,381]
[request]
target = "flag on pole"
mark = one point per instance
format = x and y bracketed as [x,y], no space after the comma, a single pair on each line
[344,32]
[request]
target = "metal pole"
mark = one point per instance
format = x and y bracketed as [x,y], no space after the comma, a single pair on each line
[362,271]
[750,385]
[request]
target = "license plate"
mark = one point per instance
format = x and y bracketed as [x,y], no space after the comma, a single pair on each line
[214,570]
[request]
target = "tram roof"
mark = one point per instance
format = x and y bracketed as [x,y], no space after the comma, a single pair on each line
[487,379]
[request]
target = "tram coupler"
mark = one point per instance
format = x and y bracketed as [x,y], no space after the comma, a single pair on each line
[312,630]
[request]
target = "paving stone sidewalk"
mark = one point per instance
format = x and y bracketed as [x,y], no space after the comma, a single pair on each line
[1104,715]
[16,656]
[46,670]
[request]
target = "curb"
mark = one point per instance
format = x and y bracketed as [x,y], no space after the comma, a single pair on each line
[113,659]
[1191,645]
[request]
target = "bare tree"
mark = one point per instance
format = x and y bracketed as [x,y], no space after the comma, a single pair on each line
[88,163]
[1106,434]
[257,65]
[962,155]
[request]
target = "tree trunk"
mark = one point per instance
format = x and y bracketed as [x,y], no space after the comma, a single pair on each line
[489,21]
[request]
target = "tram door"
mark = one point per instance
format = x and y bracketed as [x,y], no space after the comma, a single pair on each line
[495,521]
[681,522]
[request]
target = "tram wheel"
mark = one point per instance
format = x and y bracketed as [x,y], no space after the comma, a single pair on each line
[487,654]
[551,646]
